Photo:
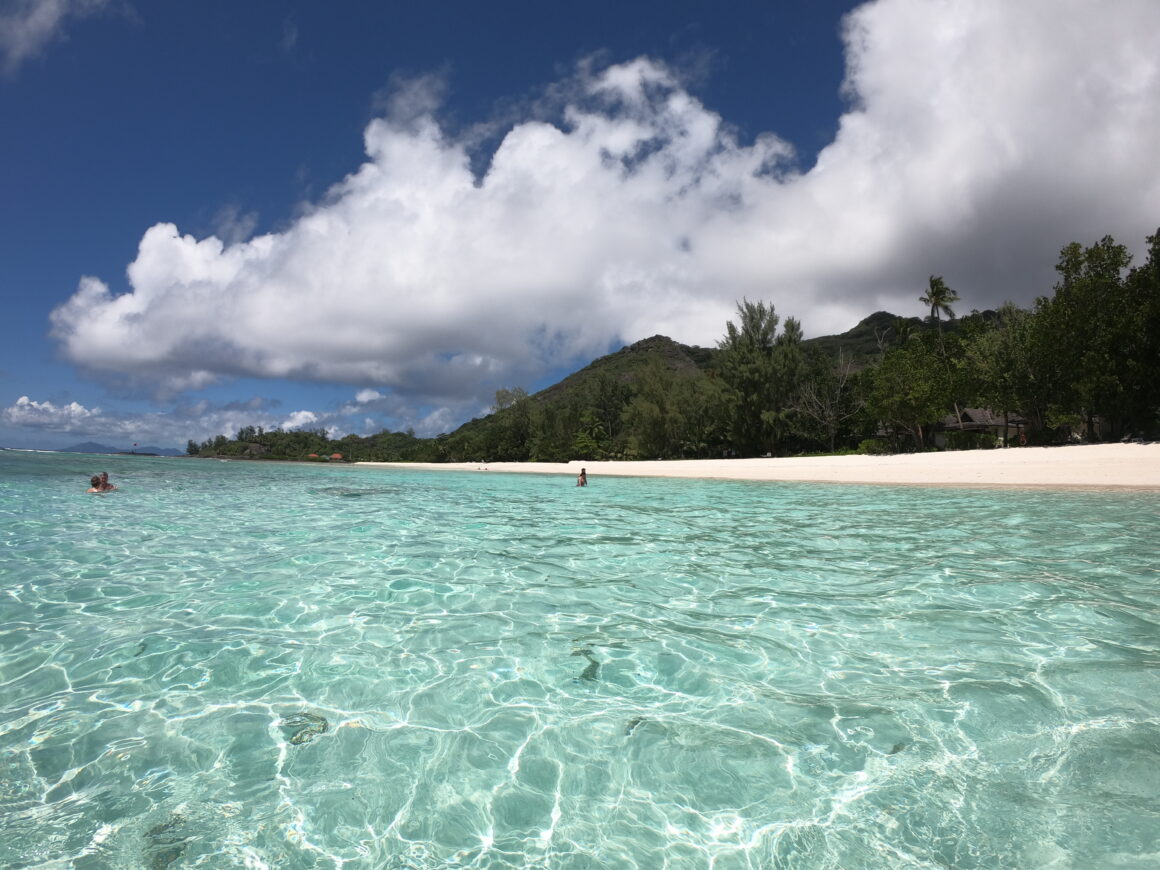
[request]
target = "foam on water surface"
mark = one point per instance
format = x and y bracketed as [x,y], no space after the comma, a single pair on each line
[227,664]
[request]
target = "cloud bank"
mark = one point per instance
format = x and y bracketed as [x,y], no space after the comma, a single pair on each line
[191,420]
[981,137]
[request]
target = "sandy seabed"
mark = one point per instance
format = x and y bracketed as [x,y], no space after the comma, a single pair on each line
[1100,466]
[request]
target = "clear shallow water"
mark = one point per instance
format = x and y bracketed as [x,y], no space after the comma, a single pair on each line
[235,665]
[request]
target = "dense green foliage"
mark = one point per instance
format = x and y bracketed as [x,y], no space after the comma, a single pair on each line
[1083,363]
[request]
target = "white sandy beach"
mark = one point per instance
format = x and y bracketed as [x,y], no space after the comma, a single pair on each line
[1089,466]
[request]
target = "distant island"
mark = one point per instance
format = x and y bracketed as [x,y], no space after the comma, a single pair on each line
[94,447]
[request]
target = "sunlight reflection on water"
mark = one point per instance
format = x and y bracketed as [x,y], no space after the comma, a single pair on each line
[225,664]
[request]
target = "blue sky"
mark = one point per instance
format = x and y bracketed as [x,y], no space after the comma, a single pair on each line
[374,215]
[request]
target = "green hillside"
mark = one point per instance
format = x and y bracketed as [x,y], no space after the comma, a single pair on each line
[627,364]
[655,383]
[862,345]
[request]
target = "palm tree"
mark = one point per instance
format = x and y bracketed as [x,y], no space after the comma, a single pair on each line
[939,297]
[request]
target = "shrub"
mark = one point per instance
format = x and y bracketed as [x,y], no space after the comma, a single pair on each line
[874,447]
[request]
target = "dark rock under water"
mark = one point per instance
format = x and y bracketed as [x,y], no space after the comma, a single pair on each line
[592,672]
[166,842]
[303,727]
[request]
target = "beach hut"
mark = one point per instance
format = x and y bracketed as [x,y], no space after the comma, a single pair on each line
[336,456]
[979,421]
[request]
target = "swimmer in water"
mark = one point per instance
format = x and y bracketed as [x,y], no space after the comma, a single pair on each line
[100,483]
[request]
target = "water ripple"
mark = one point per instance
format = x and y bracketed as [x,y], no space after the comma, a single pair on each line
[283,666]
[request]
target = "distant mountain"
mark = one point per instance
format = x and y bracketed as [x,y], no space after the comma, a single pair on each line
[94,447]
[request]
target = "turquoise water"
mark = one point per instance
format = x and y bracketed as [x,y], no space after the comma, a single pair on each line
[250,665]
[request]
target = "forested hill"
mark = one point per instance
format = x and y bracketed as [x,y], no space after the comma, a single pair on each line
[656,397]
[861,346]
[629,362]
[582,410]
[864,344]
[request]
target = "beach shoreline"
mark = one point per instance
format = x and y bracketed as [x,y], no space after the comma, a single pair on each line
[1132,466]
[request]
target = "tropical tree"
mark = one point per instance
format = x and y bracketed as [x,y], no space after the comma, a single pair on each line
[826,399]
[939,297]
[505,398]
[1085,330]
[702,404]
[591,439]
[746,366]
[999,362]
[907,390]
[1143,352]
[606,397]
[789,370]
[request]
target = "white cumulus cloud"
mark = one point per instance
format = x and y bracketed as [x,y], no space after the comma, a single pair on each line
[981,136]
[26,413]
[59,424]
[300,420]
